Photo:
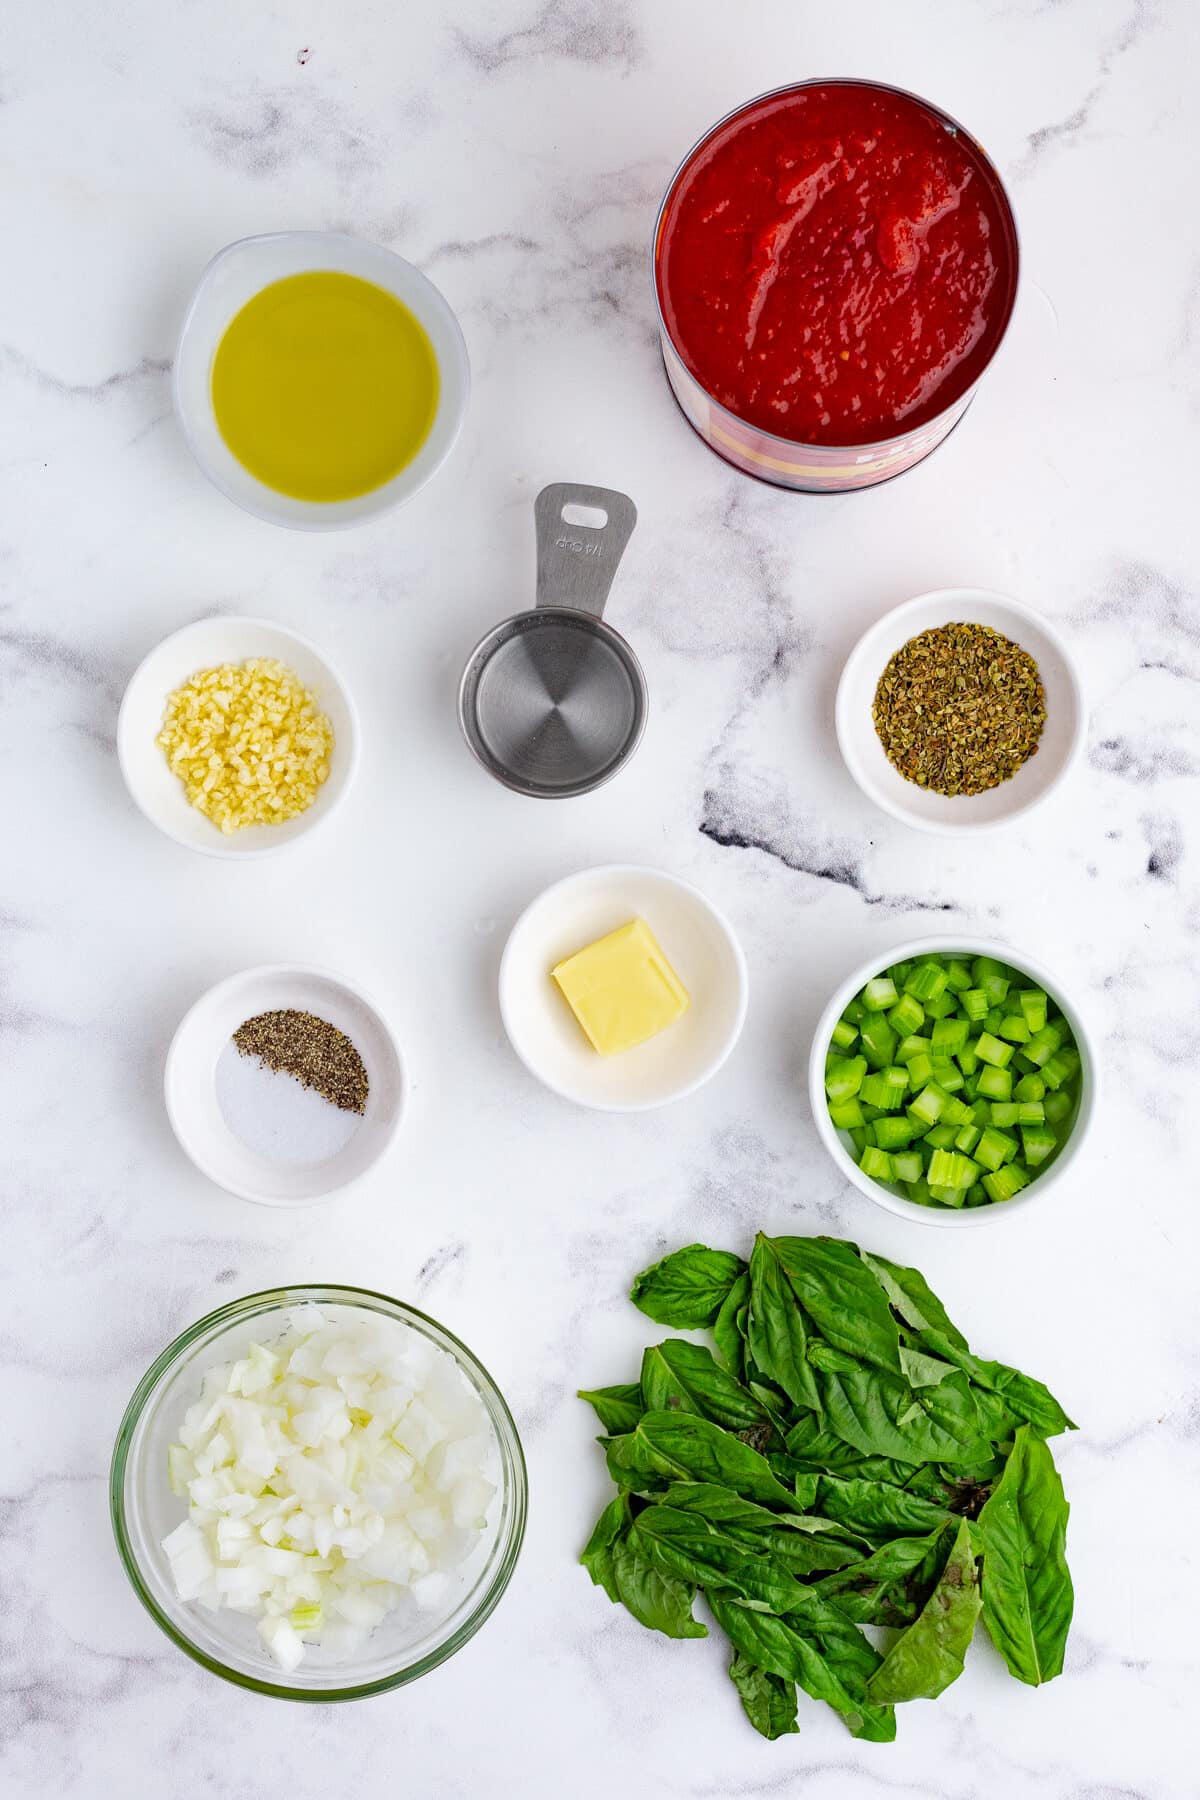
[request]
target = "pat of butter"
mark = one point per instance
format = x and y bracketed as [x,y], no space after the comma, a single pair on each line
[622,989]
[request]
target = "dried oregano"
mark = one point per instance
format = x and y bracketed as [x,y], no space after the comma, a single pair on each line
[959,709]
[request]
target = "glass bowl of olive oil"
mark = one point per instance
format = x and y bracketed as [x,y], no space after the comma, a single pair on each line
[319,379]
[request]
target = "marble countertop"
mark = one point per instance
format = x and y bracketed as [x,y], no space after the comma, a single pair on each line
[516,150]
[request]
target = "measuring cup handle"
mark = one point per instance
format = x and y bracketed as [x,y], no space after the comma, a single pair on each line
[576,563]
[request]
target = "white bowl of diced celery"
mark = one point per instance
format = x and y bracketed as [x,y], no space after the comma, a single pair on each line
[952,1082]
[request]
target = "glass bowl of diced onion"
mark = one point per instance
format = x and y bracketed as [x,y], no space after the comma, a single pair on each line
[318,1493]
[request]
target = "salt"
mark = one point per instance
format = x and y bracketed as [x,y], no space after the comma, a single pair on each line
[273,1115]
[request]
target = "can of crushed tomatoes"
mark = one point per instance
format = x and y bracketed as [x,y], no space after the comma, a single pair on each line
[835,267]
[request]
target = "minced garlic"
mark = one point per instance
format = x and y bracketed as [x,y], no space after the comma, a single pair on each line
[248,742]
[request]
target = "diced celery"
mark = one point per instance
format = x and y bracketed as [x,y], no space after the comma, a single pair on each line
[879,994]
[1006,1182]
[1038,1142]
[967,1139]
[989,1049]
[948,1196]
[907,1016]
[846,1114]
[1004,1113]
[892,1133]
[995,1148]
[926,982]
[985,966]
[906,1165]
[1033,1009]
[896,1077]
[949,1036]
[876,1090]
[844,1076]
[929,1104]
[1043,1044]
[947,1074]
[871,1112]
[939,1006]
[995,1084]
[954,1111]
[1058,1105]
[958,976]
[975,1004]
[971,1084]
[878,1041]
[1062,1067]
[899,972]
[996,988]
[1014,1029]
[1030,1112]
[941,1136]
[920,1070]
[1030,1087]
[994,1020]
[855,1013]
[876,1163]
[968,1059]
[844,1034]
[918,1190]
[858,1137]
[977,1194]
[911,1046]
[948,1169]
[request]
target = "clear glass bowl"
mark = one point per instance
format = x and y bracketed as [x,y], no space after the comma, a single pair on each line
[408,1643]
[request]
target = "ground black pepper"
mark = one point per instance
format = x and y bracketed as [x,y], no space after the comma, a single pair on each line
[319,1055]
[959,709]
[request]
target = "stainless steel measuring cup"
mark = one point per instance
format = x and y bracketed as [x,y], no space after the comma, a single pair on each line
[553,701]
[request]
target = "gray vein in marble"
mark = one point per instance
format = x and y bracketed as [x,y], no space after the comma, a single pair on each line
[1141,760]
[1066,131]
[824,859]
[267,131]
[600,33]
[1165,840]
[449,1256]
[148,369]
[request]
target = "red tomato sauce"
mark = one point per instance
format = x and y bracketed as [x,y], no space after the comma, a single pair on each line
[836,264]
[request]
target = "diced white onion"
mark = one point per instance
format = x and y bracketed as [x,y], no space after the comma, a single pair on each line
[329,1475]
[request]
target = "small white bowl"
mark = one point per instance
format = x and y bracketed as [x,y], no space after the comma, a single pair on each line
[159,793]
[697,941]
[190,1083]
[232,278]
[1061,740]
[838,1143]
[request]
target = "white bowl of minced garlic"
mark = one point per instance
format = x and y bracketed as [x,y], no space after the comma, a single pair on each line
[236,737]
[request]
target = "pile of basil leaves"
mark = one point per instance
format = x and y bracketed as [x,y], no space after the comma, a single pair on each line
[842,1461]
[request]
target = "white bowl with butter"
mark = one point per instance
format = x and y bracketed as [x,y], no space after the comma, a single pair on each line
[695,939]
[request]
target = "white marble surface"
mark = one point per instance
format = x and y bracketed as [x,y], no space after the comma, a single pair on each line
[516,150]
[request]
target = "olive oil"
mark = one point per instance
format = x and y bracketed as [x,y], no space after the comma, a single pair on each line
[324,386]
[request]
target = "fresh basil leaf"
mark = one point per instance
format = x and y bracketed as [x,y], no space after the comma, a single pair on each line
[810,1444]
[890,1586]
[597,1557]
[779,1647]
[805,1545]
[729,1327]
[1027,1594]
[928,1656]
[683,1446]
[687,1289]
[880,1415]
[913,1298]
[691,1549]
[768,1701]
[660,1602]
[1028,1399]
[617,1408]
[876,1508]
[842,1296]
[776,1332]
[920,1370]
[681,1377]
[631,1465]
